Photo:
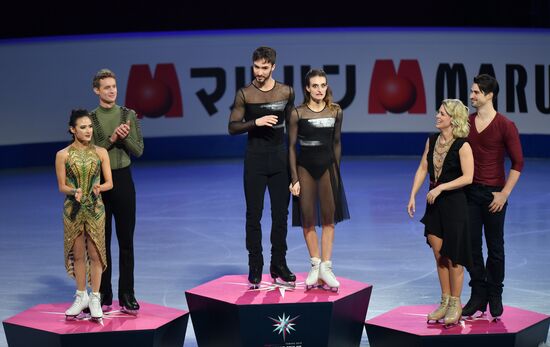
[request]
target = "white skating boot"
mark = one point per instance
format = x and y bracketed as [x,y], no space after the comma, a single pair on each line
[81,301]
[326,274]
[312,279]
[95,307]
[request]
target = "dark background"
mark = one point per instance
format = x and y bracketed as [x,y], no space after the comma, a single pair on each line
[20,19]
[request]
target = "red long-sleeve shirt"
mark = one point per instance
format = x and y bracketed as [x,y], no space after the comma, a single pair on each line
[489,147]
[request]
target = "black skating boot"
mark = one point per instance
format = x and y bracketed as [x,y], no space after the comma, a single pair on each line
[255,275]
[495,306]
[106,301]
[129,304]
[476,303]
[281,270]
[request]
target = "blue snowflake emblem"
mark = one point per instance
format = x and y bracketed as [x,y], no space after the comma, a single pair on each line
[284,325]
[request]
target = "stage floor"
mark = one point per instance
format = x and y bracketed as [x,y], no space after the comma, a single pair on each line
[190,230]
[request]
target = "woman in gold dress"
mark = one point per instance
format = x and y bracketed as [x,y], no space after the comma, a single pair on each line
[79,167]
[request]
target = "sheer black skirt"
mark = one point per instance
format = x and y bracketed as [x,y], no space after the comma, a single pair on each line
[322,199]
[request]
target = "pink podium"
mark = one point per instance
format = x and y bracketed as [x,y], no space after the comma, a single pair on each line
[407,326]
[225,312]
[45,325]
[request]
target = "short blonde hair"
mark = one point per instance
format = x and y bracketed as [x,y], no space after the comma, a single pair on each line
[459,114]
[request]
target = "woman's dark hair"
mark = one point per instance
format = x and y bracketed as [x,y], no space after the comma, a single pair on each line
[77,114]
[328,96]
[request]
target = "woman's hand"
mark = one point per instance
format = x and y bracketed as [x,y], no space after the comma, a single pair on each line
[295,188]
[97,189]
[78,194]
[433,194]
[411,207]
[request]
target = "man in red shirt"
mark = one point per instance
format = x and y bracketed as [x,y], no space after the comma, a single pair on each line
[492,135]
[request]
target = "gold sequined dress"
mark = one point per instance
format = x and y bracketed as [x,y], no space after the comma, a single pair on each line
[83,170]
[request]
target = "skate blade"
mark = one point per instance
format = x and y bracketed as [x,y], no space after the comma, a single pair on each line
[496,319]
[106,308]
[434,321]
[81,316]
[253,286]
[130,312]
[476,315]
[283,283]
[311,286]
[97,320]
[459,322]
[328,288]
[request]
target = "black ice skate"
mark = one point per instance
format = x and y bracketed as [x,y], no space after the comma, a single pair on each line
[495,307]
[129,304]
[282,271]
[106,302]
[255,276]
[475,304]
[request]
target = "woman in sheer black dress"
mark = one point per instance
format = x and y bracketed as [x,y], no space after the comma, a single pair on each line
[315,172]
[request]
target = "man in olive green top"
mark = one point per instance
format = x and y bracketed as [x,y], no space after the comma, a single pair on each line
[116,128]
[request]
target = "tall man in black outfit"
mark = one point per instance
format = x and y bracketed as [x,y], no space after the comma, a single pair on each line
[261,109]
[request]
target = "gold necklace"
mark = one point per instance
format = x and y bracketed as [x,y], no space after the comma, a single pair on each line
[439,155]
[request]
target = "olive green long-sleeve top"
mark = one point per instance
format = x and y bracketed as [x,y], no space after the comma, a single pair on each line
[105,121]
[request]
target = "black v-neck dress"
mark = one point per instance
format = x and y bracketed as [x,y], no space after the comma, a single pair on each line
[447,218]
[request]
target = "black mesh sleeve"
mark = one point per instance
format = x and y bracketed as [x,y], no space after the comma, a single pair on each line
[292,138]
[237,125]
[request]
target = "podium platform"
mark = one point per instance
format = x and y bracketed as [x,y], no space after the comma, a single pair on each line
[45,325]
[226,313]
[407,326]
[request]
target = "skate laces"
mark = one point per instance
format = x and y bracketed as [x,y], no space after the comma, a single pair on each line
[94,300]
[453,303]
[78,299]
[315,262]
[94,297]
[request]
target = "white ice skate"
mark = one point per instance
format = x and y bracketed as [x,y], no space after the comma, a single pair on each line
[95,307]
[312,279]
[327,276]
[81,301]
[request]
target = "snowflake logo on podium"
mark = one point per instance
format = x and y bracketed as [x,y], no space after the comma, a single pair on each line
[284,325]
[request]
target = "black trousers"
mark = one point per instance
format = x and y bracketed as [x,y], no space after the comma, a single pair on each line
[486,278]
[120,203]
[261,170]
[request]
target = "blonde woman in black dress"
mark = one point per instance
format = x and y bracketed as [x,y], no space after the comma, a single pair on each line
[449,162]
